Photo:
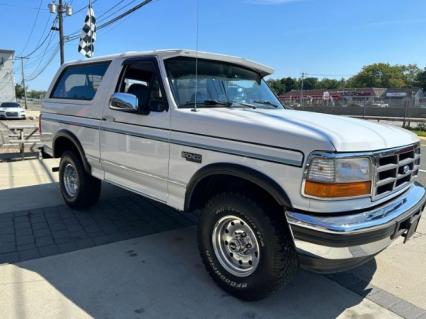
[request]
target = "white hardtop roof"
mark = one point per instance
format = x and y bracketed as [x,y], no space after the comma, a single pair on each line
[165,54]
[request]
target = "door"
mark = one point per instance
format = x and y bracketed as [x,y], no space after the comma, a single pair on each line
[134,145]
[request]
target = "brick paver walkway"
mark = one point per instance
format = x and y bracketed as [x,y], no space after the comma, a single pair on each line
[49,231]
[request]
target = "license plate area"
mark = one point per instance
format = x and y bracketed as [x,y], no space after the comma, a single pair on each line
[407,227]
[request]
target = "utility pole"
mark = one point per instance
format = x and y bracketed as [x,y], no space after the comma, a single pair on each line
[60,9]
[61,31]
[23,79]
[301,89]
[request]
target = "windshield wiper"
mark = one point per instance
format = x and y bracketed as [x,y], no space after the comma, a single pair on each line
[252,106]
[210,103]
[216,102]
[266,103]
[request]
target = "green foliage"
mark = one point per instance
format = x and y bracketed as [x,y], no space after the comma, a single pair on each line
[19,91]
[379,75]
[34,94]
[384,75]
[420,80]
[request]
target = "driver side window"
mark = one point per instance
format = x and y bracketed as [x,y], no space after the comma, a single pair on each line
[142,80]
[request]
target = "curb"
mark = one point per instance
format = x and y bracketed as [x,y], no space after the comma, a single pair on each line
[379,296]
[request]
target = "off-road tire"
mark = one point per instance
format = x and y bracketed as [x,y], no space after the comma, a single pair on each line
[278,261]
[89,188]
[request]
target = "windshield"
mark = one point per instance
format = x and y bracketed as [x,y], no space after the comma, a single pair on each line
[219,84]
[9,105]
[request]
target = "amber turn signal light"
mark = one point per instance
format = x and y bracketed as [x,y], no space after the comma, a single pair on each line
[331,190]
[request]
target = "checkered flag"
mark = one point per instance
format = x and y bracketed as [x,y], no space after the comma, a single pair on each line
[88,34]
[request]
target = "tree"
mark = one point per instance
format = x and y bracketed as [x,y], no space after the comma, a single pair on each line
[290,84]
[310,83]
[411,71]
[383,75]
[36,94]
[19,91]
[421,80]
[277,86]
[328,84]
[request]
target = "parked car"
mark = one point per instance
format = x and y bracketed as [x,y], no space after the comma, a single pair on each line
[12,111]
[277,189]
[380,104]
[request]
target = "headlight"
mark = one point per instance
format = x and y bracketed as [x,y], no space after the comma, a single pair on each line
[338,177]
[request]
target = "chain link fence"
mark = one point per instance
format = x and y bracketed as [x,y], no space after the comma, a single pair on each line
[406,109]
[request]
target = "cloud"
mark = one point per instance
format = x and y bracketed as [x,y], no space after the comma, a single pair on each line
[271,2]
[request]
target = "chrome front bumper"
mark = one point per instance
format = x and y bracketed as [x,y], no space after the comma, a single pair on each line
[340,242]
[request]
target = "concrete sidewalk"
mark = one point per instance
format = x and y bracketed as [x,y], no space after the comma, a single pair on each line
[27,173]
[158,276]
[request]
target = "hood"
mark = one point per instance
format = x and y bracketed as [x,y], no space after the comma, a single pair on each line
[352,135]
[304,131]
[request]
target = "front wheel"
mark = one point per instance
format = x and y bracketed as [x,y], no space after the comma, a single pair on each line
[245,246]
[79,189]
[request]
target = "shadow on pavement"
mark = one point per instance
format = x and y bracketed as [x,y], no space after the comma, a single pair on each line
[161,276]
[156,276]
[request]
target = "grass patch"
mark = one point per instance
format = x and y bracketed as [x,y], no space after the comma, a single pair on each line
[420,131]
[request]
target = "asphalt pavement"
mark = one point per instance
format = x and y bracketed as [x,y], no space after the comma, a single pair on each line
[422,175]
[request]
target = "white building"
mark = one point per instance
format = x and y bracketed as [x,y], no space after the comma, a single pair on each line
[7,79]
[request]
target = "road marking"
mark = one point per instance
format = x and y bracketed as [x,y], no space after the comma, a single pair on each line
[422,170]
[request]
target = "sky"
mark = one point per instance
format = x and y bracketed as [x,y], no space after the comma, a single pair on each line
[323,38]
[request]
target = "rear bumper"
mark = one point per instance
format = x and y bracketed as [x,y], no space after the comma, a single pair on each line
[337,243]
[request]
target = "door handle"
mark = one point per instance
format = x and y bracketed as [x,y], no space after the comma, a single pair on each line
[108,118]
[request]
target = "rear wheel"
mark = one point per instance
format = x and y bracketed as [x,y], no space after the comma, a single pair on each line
[245,247]
[79,189]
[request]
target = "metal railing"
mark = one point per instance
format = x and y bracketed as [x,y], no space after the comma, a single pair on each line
[21,137]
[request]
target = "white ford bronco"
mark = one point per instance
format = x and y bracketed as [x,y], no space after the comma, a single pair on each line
[277,189]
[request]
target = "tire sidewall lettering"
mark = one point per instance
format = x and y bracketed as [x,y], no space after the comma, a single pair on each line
[222,276]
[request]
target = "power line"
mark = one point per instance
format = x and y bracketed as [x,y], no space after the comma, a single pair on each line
[20,6]
[32,28]
[41,57]
[113,20]
[121,16]
[82,8]
[49,61]
[42,42]
[331,75]
[60,10]
[46,26]
[103,17]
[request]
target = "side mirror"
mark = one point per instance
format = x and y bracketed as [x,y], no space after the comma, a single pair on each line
[124,102]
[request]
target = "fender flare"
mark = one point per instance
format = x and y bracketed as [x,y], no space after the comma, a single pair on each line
[243,172]
[74,140]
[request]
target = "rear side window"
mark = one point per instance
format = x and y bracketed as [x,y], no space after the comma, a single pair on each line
[79,82]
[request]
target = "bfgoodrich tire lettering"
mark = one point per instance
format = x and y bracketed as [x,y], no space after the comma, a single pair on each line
[79,189]
[277,262]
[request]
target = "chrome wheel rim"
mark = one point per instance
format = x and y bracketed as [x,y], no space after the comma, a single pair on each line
[71,180]
[236,246]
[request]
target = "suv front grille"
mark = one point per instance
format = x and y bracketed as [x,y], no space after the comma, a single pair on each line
[395,169]
[11,113]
